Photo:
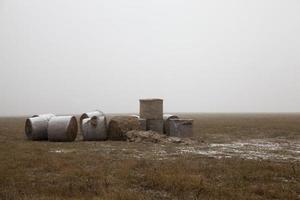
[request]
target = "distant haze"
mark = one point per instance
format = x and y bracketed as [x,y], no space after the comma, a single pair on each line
[71,56]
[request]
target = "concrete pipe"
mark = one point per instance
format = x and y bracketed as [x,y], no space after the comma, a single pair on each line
[118,127]
[96,113]
[36,126]
[94,128]
[181,127]
[62,129]
[167,118]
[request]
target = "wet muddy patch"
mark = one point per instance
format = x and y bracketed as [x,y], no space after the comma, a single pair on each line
[254,149]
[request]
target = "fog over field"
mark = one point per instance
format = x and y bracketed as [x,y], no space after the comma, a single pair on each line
[70,56]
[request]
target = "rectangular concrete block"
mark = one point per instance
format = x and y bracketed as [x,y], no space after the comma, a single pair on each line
[143,124]
[181,128]
[151,108]
[156,125]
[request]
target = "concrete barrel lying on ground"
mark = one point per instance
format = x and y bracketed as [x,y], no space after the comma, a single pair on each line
[94,128]
[181,127]
[95,113]
[62,129]
[156,125]
[167,118]
[151,108]
[119,125]
[36,126]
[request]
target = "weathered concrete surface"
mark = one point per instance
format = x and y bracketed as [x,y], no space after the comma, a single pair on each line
[96,113]
[181,127]
[36,127]
[167,118]
[156,125]
[62,129]
[151,108]
[94,128]
[143,124]
[119,125]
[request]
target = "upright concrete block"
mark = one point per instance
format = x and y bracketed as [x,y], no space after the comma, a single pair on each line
[143,124]
[156,125]
[151,108]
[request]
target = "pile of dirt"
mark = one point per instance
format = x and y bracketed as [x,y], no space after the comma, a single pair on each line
[154,137]
[120,125]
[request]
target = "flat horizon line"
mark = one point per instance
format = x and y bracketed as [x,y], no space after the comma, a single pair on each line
[129,113]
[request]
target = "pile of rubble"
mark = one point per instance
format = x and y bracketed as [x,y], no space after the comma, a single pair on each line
[154,137]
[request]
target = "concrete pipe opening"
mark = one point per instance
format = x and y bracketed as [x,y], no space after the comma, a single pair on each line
[120,125]
[36,127]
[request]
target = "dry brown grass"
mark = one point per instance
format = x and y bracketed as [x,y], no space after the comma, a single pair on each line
[104,170]
[221,127]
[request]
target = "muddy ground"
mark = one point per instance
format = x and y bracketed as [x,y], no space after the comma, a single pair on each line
[233,156]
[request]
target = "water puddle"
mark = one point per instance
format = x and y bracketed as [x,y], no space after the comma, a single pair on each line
[62,151]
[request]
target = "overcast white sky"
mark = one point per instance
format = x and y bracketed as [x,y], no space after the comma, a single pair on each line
[72,56]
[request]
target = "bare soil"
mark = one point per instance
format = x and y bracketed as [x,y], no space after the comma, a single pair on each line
[231,156]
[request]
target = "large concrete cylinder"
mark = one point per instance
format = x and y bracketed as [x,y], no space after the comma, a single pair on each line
[167,118]
[120,125]
[94,128]
[36,127]
[181,127]
[96,113]
[62,129]
[151,108]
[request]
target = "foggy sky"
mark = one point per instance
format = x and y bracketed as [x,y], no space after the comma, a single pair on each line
[72,56]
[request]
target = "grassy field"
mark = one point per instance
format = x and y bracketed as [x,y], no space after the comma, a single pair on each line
[238,156]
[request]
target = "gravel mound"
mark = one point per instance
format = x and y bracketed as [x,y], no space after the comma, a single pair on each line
[154,137]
